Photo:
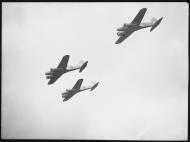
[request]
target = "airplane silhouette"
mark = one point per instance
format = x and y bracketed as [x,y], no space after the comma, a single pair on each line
[136,25]
[62,68]
[76,89]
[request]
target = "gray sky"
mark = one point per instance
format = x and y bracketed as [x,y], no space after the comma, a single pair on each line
[143,86]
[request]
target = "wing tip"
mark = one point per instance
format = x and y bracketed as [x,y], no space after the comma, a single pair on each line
[144,9]
[66,56]
[80,80]
[117,42]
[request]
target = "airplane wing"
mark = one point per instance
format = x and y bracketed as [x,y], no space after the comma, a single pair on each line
[78,84]
[122,38]
[55,77]
[137,20]
[64,62]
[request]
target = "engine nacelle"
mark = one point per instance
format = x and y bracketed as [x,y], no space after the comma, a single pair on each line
[125,25]
[48,73]
[67,90]
[120,33]
[64,94]
[49,76]
[53,69]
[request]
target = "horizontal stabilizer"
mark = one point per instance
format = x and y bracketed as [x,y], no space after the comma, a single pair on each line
[93,87]
[83,66]
[156,24]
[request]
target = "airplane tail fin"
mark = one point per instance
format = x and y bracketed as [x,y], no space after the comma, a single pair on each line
[81,62]
[93,87]
[83,66]
[153,20]
[156,24]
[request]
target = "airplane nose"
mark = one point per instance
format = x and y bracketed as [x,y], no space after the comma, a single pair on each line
[64,99]
[116,42]
[49,83]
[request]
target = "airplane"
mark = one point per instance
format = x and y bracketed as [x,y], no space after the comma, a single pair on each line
[76,89]
[129,28]
[62,68]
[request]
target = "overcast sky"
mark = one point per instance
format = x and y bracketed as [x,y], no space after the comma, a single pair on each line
[143,87]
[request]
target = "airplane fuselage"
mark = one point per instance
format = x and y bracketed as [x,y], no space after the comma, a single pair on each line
[60,71]
[67,95]
[132,28]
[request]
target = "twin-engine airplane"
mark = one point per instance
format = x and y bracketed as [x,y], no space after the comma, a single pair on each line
[129,28]
[62,68]
[76,89]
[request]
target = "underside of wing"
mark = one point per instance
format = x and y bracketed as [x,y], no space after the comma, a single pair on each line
[55,77]
[137,20]
[78,84]
[122,38]
[64,62]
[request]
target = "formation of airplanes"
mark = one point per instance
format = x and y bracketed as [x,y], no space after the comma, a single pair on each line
[62,68]
[123,32]
[128,28]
